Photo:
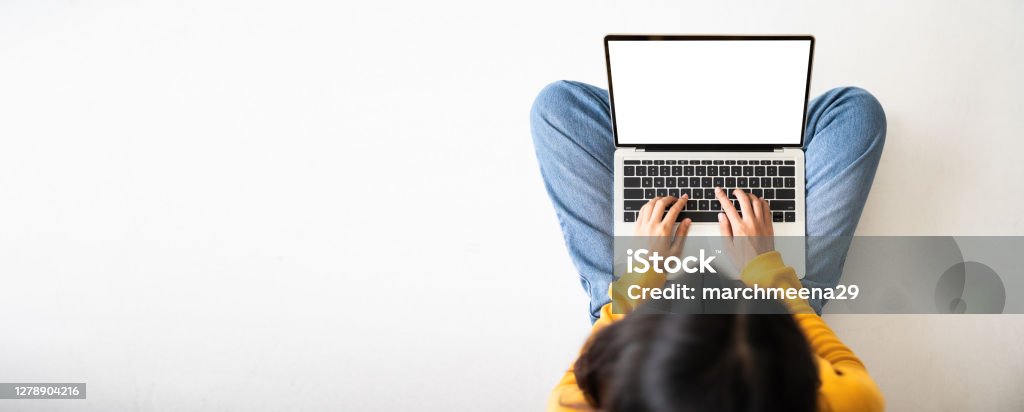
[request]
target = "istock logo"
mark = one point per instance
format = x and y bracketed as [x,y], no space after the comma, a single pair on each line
[646,261]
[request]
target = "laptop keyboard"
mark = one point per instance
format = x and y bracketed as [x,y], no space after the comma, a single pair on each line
[773,180]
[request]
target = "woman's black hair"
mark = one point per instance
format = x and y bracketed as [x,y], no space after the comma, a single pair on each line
[721,362]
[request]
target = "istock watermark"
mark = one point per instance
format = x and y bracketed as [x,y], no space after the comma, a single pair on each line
[833,274]
[646,261]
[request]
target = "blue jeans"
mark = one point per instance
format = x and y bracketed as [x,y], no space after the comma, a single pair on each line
[572,134]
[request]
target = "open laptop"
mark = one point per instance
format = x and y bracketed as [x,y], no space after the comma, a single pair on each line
[693,112]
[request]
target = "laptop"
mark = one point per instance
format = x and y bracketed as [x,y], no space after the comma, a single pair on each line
[690,113]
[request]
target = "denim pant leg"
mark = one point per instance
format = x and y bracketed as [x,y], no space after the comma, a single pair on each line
[844,138]
[572,134]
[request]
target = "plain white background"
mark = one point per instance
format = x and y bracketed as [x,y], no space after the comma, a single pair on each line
[253,205]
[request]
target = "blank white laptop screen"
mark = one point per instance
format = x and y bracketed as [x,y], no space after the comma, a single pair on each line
[708,91]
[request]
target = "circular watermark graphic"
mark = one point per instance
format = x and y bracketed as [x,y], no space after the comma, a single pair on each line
[970,287]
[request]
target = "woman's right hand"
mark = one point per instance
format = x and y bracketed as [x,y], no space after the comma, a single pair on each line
[748,236]
[657,220]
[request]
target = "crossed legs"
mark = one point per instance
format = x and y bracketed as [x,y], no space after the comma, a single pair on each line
[572,133]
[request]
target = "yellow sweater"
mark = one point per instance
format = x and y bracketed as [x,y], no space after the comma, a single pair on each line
[845,383]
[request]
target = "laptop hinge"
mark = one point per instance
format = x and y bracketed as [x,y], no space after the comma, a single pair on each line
[708,148]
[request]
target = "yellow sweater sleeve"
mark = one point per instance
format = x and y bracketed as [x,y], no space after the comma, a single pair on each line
[845,383]
[567,396]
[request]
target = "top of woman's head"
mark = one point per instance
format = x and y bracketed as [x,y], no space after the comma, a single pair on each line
[733,362]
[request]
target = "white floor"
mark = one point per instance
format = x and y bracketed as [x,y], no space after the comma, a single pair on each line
[240,205]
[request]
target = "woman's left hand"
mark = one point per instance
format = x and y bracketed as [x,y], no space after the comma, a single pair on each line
[654,221]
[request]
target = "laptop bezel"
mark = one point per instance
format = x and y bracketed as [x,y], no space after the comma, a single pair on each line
[705,147]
